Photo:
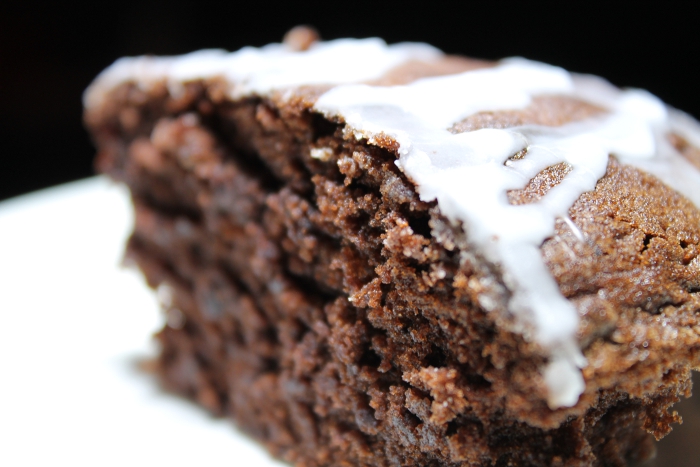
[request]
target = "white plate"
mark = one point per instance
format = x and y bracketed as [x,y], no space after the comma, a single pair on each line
[73,324]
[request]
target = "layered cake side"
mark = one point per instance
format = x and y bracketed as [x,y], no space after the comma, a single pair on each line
[381,255]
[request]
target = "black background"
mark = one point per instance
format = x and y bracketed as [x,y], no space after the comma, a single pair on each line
[49,52]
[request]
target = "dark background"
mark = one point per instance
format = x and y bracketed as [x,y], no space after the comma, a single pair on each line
[49,52]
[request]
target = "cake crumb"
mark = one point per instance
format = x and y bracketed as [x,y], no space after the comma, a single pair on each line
[300,38]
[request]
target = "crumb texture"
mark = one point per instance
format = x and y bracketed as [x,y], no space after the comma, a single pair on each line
[338,319]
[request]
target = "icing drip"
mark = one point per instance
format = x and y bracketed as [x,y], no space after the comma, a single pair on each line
[467,173]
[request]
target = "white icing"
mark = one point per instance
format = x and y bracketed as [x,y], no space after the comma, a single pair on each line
[468,173]
[261,70]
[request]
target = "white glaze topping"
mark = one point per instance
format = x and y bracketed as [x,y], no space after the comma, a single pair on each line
[467,173]
[261,70]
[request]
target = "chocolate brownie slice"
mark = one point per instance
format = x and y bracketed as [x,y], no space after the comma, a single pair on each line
[381,255]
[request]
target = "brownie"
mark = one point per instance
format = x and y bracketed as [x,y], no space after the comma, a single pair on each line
[324,234]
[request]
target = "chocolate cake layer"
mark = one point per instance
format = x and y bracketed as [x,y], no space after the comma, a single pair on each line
[313,297]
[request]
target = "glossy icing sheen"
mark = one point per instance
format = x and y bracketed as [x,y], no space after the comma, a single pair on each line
[467,173]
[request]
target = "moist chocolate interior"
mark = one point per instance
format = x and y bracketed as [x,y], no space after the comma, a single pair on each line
[342,321]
